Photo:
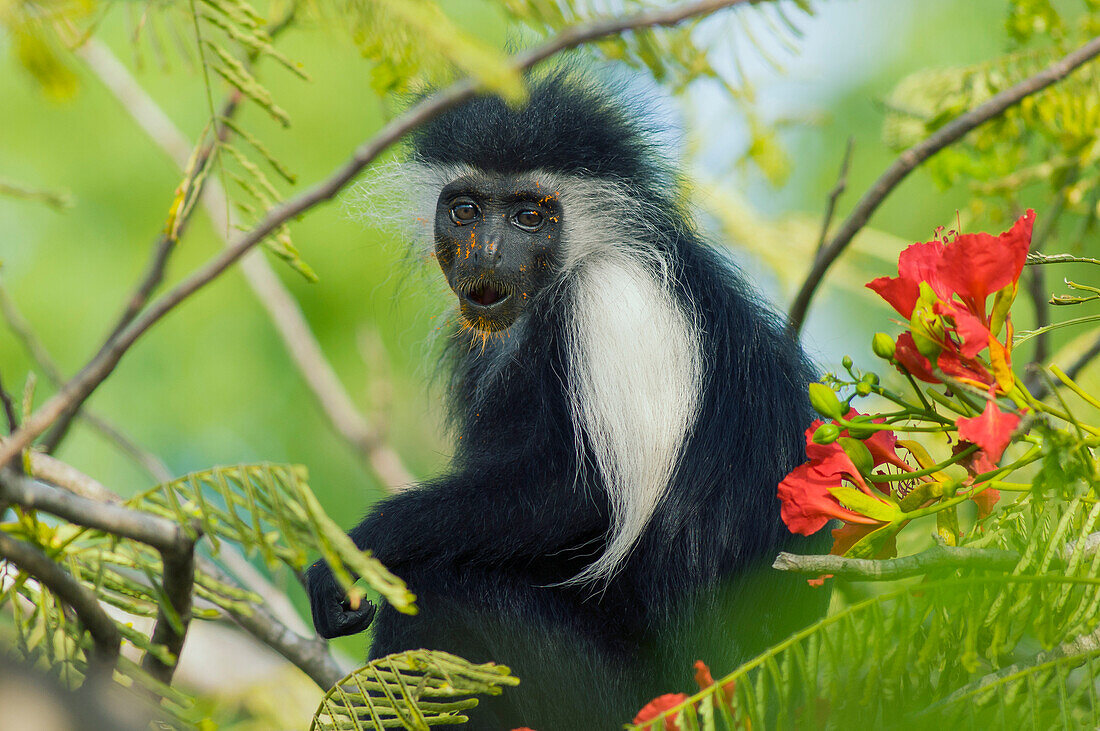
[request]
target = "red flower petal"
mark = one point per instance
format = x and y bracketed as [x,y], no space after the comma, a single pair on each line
[976,265]
[985,500]
[991,430]
[703,678]
[900,293]
[917,263]
[807,503]
[906,353]
[972,332]
[659,705]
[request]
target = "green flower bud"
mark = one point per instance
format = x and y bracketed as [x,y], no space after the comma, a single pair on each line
[826,434]
[863,388]
[859,454]
[883,346]
[846,362]
[871,378]
[860,432]
[825,401]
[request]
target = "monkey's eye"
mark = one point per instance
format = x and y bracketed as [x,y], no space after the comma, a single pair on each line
[528,219]
[464,211]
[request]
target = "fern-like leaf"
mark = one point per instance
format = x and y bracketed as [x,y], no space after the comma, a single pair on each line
[410,690]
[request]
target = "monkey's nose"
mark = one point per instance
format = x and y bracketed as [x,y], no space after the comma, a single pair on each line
[488,255]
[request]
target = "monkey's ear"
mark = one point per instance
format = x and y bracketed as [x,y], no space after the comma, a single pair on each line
[332,617]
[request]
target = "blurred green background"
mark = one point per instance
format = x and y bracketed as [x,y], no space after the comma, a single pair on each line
[213,384]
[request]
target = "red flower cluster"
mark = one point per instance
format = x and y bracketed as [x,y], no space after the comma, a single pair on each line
[942,288]
[831,486]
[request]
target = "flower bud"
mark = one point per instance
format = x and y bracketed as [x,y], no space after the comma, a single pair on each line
[883,346]
[826,434]
[846,362]
[863,388]
[860,432]
[870,378]
[825,401]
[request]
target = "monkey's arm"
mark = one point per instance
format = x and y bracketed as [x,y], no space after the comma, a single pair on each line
[475,519]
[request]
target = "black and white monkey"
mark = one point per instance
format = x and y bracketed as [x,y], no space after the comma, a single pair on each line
[625,405]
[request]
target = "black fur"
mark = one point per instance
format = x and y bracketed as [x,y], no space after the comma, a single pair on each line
[487,545]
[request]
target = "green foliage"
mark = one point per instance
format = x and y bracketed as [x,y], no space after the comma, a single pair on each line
[413,42]
[270,510]
[410,690]
[1050,139]
[267,509]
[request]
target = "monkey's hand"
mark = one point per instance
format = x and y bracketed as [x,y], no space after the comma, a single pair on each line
[332,614]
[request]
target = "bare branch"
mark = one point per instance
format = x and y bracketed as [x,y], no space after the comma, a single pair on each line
[106,638]
[310,654]
[54,471]
[284,312]
[836,192]
[1036,282]
[1074,368]
[9,410]
[918,153]
[934,559]
[104,362]
[160,533]
[172,621]
[41,356]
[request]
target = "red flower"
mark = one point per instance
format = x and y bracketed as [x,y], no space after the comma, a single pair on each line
[704,680]
[659,705]
[808,502]
[950,315]
[991,430]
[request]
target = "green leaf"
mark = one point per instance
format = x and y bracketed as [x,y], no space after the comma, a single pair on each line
[864,504]
[413,690]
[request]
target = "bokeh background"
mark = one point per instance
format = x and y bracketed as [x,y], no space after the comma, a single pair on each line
[213,383]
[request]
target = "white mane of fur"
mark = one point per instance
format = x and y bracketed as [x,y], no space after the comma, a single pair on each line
[635,369]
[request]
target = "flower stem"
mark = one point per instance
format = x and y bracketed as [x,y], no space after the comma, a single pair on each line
[987,480]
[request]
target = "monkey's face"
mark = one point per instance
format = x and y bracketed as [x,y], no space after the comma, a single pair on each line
[497,240]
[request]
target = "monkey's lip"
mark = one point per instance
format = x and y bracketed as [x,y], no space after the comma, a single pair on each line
[485,296]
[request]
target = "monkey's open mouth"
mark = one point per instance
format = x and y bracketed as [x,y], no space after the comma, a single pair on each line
[486,295]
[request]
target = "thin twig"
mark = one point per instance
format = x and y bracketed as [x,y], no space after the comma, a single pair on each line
[934,559]
[9,410]
[835,193]
[918,153]
[1036,282]
[285,314]
[19,325]
[104,362]
[106,638]
[1074,368]
[310,654]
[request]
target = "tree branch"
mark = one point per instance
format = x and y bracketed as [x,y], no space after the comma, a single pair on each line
[1074,368]
[285,314]
[106,638]
[9,410]
[170,630]
[933,559]
[160,533]
[309,654]
[918,153]
[104,362]
[835,193]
